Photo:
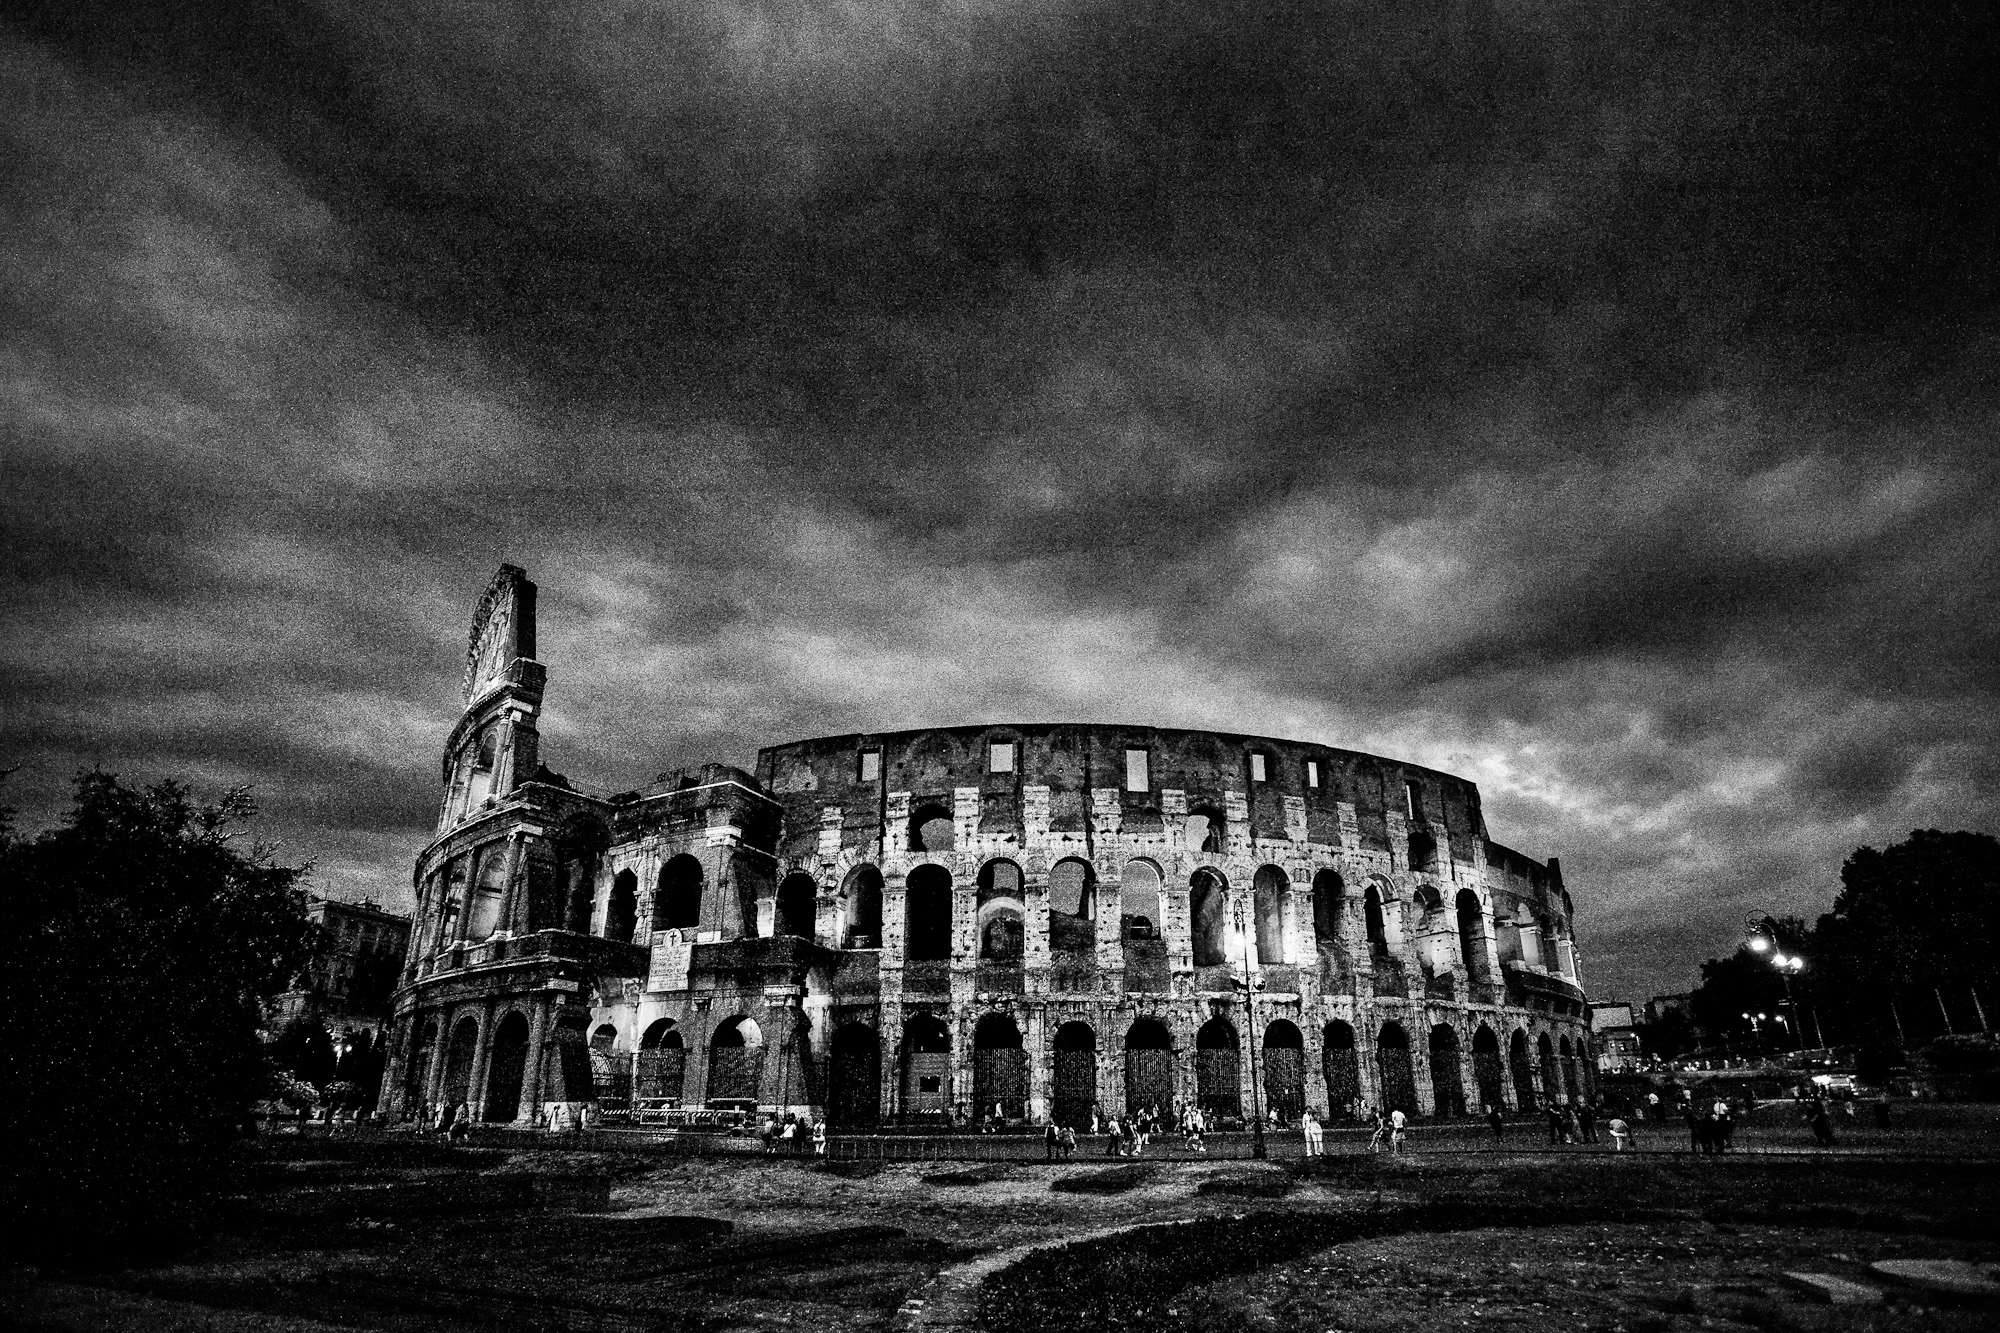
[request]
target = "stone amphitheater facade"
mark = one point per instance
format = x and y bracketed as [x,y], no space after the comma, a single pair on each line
[925,925]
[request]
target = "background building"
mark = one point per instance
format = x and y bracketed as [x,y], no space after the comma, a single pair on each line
[351,982]
[1616,1034]
[1036,917]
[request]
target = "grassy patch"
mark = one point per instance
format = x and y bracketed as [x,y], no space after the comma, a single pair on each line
[1111,1180]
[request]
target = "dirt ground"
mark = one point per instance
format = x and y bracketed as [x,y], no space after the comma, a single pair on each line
[704,1245]
[1669,1278]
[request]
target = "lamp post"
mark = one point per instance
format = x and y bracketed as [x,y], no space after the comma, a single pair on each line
[1763,929]
[1250,1035]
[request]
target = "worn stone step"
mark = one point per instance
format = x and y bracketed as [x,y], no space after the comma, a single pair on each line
[1834,1290]
[1945,1277]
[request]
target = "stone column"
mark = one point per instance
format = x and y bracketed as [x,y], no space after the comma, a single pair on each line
[511,904]
[434,1076]
[531,1073]
[1037,1044]
[482,1051]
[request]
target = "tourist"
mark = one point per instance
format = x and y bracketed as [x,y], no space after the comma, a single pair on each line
[461,1124]
[1315,1136]
[1693,1118]
[1050,1138]
[1653,1106]
[1586,1119]
[1497,1122]
[1396,1122]
[1569,1123]
[1621,1133]
[1380,1137]
[1555,1125]
[1822,1123]
[1725,1125]
[819,1138]
[1113,1141]
[1068,1143]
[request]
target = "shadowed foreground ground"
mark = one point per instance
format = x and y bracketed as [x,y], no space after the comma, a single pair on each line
[1670,1241]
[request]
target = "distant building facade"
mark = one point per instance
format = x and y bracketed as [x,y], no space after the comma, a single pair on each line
[1042,918]
[349,986]
[1616,1035]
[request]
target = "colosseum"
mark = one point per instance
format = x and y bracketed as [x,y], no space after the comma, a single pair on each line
[921,926]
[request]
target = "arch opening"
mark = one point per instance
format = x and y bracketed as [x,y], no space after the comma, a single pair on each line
[854,1095]
[1340,1065]
[1218,1069]
[1149,1065]
[999,1068]
[1447,1083]
[1139,901]
[1486,1068]
[932,828]
[798,906]
[1208,912]
[1072,907]
[927,914]
[735,1063]
[1399,1081]
[506,1069]
[621,914]
[1001,933]
[926,1067]
[1285,1069]
[661,1067]
[677,901]
[862,900]
[1520,1065]
[1270,895]
[1329,902]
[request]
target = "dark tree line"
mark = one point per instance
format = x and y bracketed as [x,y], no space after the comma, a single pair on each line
[144,939]
[1907,956]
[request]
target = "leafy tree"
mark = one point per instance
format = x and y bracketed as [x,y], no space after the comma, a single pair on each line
[144,941]
[304,1050]
[1915,925]
[1743,983]
[1669,1035]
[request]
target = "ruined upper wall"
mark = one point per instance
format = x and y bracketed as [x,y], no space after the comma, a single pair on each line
[1084,764]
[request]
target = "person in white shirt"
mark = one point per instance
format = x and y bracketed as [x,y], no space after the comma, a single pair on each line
[1396,1122]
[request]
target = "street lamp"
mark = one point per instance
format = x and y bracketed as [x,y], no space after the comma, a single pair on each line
[1763,928]
[1250,1035]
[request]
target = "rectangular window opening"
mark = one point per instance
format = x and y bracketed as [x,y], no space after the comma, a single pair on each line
[1000,757]
[1256,767]
[871,765]
[1138,776]
[1312,772]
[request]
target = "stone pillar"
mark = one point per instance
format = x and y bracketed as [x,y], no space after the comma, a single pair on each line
[1037,1043]
[482,1051]
[434,1076]
[531,1073]
[511,905]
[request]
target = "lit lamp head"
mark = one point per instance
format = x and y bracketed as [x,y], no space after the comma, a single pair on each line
[1758,944]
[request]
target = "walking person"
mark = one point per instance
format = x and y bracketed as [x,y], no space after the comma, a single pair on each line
[1555,1125]
[1822,1123]
[1380,1137]
[1497,1122]
[1621,1133]
[1586,1119]
[819,1139]
[1396,1122]
[1050,1138]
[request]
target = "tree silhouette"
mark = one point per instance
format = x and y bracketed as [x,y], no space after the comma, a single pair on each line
[144,942]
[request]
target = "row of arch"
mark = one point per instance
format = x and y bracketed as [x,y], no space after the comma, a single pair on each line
[926,1085]
[1073,924]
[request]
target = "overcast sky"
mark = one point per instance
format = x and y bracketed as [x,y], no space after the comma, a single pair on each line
[1595,400]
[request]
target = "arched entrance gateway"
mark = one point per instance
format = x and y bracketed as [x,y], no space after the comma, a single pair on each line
[1284,1070]
[507,1068]
[999,1068]
[1399,1081]
[1551,1072]
[735,1064]
[1217,1088]
[1447,1084]
[1341,1068]
[1486,1067]
[1075,1075]
[926,1068]
[1149,1065]
[662,1064]
[855,1095]
[1519,1062]
[458,1061]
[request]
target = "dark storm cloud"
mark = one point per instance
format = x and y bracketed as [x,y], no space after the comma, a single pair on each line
[1592,400]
